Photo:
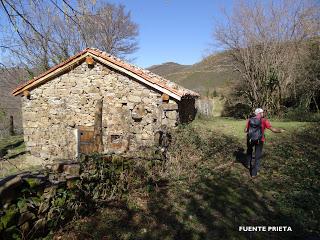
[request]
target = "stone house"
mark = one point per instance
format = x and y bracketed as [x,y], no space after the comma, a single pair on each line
[95,102]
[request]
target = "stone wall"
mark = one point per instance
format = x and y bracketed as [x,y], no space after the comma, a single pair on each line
[33,204]
[10,105]
[131,113]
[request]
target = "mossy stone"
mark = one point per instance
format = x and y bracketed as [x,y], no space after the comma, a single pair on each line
[33,182]
[10,217]
[22,205]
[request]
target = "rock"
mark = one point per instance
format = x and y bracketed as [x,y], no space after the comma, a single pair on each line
[57,167]
[30,115]
[32,124]
[8,190]
[171,115]
[33,182]
[136,116]
[145,136]
[133,98]
[170,106]
[10,217]
[73,169]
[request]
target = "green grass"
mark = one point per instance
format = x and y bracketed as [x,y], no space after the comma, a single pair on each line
[12,149]
[12,143]
[209,194]
[235,128]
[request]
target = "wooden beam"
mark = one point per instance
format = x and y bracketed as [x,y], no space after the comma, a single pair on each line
[165,97]
[90,61]
[11,127]
[26,93]
[98,127]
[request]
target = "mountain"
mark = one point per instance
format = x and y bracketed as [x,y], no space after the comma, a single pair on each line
[212,73]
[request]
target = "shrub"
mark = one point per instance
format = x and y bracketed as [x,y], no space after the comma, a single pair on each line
[301,114]
[238,110]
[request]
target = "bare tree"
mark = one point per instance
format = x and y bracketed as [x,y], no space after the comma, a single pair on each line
[308,77]
[264,40]
[44,33]
[111,29]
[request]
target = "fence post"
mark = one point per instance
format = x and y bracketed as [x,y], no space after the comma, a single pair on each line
[11,128]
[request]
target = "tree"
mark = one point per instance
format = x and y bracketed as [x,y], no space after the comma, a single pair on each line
[39,41]
[308,75]
[265,41]
[110,29]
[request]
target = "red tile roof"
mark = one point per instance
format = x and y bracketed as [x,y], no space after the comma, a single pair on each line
[149,77]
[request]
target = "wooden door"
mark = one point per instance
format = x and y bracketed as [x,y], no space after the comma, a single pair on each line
[86,140]
[90,138]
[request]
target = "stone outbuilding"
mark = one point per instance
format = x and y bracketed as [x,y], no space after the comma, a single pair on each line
[95,102]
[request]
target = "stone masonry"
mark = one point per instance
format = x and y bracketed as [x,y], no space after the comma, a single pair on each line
[132,112]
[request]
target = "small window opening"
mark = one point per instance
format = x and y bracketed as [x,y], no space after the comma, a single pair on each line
[115,138]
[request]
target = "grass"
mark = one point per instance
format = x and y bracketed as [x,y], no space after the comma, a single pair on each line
[208,192]
[12,158]
[12,144]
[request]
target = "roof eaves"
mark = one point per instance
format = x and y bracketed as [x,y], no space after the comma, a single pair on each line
[18,90]
[145,76]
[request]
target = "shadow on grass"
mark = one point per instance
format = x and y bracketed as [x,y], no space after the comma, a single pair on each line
[293,171]
[241,157]
[216,204]
[18,154]
[4,150]
[213,208]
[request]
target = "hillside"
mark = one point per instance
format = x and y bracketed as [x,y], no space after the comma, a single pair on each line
[10,105]
[213,72]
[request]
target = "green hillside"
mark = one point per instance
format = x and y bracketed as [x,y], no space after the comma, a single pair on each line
[169,68]
[213,72]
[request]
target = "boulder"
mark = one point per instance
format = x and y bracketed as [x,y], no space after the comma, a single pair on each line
[8,190]
[72,169]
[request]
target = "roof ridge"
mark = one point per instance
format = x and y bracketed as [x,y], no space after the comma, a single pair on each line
[148,72]
[141,72]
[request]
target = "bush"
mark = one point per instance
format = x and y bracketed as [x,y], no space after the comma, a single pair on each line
[103,178]
[193,148]
[302,115]
[238,110]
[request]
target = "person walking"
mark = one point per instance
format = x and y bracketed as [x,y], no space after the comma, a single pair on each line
[255,128]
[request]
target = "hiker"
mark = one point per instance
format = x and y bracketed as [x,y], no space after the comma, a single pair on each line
[255,138]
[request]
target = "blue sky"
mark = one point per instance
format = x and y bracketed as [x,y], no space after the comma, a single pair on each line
[174,30]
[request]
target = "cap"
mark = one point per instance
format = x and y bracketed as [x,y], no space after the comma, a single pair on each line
[258,110]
